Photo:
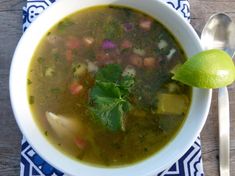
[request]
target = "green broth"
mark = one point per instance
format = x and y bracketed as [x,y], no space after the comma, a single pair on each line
[60,80]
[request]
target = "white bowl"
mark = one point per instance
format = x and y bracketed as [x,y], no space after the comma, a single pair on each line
[18,90]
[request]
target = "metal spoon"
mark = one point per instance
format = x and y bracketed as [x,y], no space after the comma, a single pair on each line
[217,34]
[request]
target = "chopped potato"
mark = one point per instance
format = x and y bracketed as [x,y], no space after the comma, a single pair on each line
[129,71]
[172,104]
[162,44]
[79,69]
[173,87]
[138,51]
[49,72]
[92,67]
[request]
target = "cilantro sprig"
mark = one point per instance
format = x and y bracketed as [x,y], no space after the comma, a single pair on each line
[109,97]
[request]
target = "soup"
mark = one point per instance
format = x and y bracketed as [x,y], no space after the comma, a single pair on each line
[100,87]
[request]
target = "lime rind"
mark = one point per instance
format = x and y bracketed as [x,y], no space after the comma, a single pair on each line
[207,69]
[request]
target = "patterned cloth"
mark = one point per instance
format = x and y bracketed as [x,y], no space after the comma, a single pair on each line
[33,165]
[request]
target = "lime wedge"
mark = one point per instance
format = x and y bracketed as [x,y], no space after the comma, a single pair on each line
[207,69]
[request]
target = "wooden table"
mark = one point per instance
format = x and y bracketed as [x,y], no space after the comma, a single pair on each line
[10,136]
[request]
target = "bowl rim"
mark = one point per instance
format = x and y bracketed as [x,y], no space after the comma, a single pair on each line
[63,162]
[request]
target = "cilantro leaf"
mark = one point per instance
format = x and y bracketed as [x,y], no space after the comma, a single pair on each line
[105,89]
[126,84]
[110,114]
[109,97]
[110,73]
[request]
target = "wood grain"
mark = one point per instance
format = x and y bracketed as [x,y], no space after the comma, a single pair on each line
[10,136]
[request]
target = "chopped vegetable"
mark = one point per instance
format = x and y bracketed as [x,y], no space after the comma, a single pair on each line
[29,81]
[108,44]
[103,58]
[81,143]
[136,60]
[112,29]
[129,71]
[162,44]
[138,51]
[173,87]
[72,43]
[126,44]
[145,24]
[55,54]
[150,62]
[49,72]
[128,27]
[171,53]
[109,73]
[172,104]
[75,88]
[110,97]
[31,99]
[92,67]
[88,40]
[40,60]
[79,69]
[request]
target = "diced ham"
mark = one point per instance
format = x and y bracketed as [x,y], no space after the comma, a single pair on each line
[75,88]
[126,44]
[81,143]
[150,62]
[72,43]
[136,60]
[145,24]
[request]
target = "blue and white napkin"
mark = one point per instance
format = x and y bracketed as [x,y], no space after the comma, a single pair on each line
[33,165]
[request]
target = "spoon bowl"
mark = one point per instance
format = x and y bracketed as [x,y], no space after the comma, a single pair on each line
[217,32]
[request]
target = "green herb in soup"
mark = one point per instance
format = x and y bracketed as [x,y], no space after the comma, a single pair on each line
[100,87]
[110,97]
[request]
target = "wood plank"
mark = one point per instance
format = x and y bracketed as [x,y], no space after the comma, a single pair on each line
[10,136]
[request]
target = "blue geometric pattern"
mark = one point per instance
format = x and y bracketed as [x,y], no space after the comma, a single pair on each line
[32,9]
[182,6]
[190,164]
[33,165]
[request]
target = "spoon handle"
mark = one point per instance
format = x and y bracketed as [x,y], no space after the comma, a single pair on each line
[224,134]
